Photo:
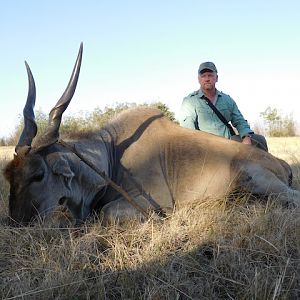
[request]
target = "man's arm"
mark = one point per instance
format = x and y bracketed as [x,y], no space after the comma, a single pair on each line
[239,122]
[188,116]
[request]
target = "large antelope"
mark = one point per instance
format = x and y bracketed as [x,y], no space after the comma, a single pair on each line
[158,164]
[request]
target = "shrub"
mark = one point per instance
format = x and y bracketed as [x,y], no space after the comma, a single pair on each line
[83,121]
[278,125]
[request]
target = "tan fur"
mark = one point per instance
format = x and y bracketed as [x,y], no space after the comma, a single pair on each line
[148,154]
[193,164]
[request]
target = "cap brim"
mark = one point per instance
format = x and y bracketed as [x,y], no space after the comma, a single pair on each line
[208,69]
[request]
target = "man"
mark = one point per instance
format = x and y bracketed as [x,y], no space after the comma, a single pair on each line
[197,114]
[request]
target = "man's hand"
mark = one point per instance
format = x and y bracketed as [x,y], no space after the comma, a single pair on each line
[247,140]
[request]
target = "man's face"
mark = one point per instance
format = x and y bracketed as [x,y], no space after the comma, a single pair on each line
[208,80]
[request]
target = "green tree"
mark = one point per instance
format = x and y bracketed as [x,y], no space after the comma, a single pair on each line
[166,111]
[277,125]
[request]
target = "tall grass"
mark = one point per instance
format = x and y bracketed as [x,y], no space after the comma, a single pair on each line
[222,249]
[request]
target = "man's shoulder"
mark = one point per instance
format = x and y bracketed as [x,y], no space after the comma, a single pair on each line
[191,95]
[225,97]
[223,94]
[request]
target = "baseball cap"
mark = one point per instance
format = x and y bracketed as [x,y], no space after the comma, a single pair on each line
[208,65]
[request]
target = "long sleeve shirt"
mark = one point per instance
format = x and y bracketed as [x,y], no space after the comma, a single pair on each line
[196,114]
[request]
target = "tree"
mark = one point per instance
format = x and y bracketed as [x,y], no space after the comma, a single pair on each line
[277,125]
[165,110]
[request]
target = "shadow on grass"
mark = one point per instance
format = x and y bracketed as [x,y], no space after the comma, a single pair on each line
[249,251]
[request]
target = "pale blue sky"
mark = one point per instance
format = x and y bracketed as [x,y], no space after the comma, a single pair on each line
[145,51]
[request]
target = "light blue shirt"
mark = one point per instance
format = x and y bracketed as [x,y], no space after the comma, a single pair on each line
[196,114]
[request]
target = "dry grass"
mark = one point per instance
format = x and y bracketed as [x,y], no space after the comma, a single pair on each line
[289,150]
[236,250]
[285,148]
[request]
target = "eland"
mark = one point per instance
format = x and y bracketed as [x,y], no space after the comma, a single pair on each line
[156,164]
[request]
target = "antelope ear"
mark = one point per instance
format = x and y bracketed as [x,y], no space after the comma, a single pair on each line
[11,166]
[60,166]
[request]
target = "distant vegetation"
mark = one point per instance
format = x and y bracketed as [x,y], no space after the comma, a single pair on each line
[277,125]
[85,121]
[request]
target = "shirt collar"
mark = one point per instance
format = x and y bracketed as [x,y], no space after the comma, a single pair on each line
[201,94]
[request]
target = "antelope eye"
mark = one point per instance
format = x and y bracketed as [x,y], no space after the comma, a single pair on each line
[38,176]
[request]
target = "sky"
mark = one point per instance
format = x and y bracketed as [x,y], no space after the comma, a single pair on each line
[149,51]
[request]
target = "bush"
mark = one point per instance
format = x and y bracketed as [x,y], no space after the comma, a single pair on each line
[84,121]
[277,125]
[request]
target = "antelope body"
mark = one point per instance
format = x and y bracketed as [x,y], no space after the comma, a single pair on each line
[158,163]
